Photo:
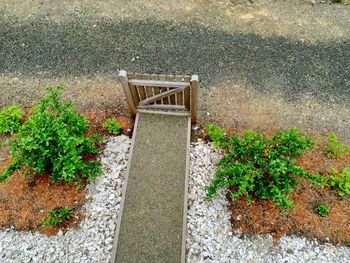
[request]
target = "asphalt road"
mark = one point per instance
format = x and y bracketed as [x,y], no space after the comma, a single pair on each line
[44,49]
[87,53]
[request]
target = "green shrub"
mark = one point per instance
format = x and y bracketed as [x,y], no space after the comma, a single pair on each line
[340,181]
[254,165]
[52,141]
[57,217]
[112,126]
[322,210]
[334,148]
[10,119]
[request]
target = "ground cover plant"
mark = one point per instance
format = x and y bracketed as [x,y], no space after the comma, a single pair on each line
[58,216]
[52,140]
[10,119]
[334,147]
[322,210]
[340,181]
[315,202]
[112,125]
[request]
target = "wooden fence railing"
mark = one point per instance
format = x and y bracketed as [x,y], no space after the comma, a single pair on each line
[160,92]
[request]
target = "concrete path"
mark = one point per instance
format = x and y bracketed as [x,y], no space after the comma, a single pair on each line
[153,209]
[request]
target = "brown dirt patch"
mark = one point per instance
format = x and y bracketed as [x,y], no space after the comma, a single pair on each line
[97,117]
[26,200]
[261,217]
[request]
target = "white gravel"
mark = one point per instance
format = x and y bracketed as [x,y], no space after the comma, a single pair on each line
[210,238]
[93,240]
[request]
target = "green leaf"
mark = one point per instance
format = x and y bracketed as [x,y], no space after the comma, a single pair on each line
[10,119]
[216,134]
[112,126]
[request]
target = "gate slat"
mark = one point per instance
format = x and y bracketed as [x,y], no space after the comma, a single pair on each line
[148,89]
[179,95]
[163,89]
[172,97]
[141,89]
[156,90]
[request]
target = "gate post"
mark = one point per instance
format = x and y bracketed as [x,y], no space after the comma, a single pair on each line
[194,97]
[123,78]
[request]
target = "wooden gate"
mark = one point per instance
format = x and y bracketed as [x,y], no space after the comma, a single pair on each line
[160,92]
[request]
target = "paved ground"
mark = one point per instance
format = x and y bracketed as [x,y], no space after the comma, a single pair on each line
[271,63]
[152,219]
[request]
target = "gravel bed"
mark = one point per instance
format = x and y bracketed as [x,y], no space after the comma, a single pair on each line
[93,240]
[209,235]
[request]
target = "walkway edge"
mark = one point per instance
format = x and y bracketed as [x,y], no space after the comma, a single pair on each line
[120,214]
[184,230]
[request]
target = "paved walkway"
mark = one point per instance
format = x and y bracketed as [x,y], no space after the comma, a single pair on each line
[152,220]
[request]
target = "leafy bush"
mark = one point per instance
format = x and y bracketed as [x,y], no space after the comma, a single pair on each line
[112,126]
[334,148]
[254,165]
[52,141]
[10,119]
[322,210]
[340,181]
[57,217]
